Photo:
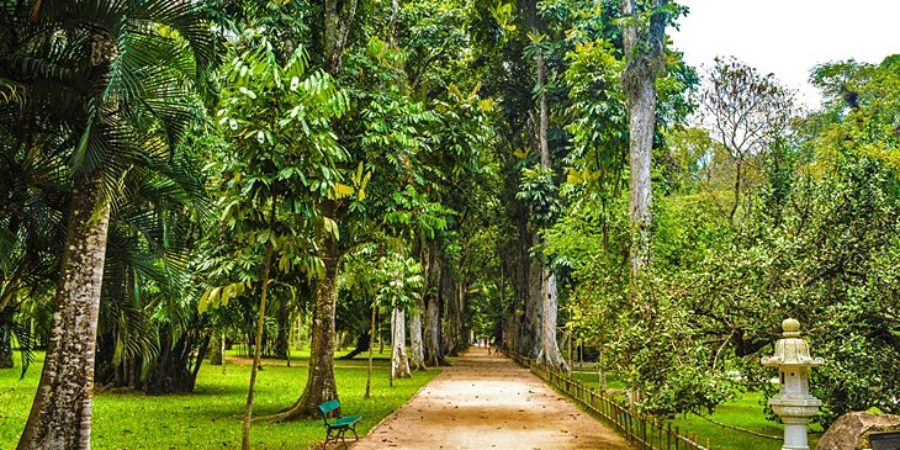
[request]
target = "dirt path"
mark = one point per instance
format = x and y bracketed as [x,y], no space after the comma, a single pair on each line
[488,402]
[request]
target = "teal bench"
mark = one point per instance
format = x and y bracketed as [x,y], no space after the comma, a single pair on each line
[337,427]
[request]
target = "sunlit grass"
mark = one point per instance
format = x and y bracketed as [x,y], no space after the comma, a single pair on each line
[744,412]
[211,417]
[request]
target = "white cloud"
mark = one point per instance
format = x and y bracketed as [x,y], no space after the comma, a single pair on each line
[789,37]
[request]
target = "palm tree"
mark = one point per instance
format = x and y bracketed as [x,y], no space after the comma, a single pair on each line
[112,80]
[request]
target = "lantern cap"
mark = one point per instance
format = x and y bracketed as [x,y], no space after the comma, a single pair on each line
[791,327]
[791,350]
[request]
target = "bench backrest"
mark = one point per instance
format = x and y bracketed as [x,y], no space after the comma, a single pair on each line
[328,407]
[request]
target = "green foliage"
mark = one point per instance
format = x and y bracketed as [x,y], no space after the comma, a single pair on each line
[598,123]
[400,280]
[818,242]
[540,191]
[104,90]
[277,162]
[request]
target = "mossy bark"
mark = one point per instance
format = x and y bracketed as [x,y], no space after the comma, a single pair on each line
[61,414]
[399,361]
[320,383]
[644,52]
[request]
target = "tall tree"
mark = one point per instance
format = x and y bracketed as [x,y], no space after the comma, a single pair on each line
[548,352]
[747,114]
[338,18]
[109,77]
[282,150]
[644,44]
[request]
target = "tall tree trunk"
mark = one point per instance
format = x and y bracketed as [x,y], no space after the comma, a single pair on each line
[417,344]
[433,351]
[399,362]
[417,347]
[447,300]
[549,349]
[260,323]
[339,15]
[462,337]
[6,351]
[283,341]
[534,300]
[533,306]
[60,416]
[644,62]
[550,354]
[371,344]
[320,383]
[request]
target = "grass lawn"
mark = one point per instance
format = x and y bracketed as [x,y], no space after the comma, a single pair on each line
[211,416]
[591,379]
[746,412]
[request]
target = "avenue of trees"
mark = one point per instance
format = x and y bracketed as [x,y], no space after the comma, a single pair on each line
[179,177]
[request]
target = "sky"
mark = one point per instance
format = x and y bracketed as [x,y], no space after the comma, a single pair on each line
[789,37]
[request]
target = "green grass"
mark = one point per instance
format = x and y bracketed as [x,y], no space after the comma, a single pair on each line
[591,379]
[211,416]
[301,357]
[745,412]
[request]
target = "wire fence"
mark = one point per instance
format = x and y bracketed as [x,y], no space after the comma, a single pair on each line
[643,431]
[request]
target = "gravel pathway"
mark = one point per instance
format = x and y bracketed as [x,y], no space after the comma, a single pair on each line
[489,402]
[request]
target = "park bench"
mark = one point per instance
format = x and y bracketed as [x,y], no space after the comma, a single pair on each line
[337,427]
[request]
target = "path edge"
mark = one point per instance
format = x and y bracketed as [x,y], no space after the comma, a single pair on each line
[394,412]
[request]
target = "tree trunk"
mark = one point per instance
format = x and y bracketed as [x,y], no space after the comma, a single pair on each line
[363,343]
[283,341]
[433,352]
[461,331]
[399,362]
[257,348]
[641,124]
[739,168]
[549,349]
[447,300]
[6,351]
[533,307]
[417,347]
[644,61]
[371,345]
[217,346]
[417,344]
[60,416]
[544,113]
[176,367]
[380,338]
[549,354]
[434,355]
[338,19]
[320,383]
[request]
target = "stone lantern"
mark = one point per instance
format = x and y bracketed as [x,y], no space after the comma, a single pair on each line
[793,403]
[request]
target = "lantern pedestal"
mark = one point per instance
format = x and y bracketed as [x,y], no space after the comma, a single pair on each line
[795,414]
[793,404]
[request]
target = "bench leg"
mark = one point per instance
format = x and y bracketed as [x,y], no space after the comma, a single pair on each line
[343,441]
[353,429]
[327,439]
